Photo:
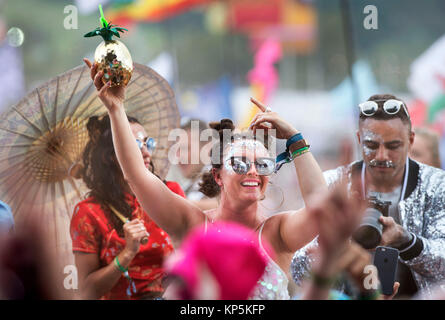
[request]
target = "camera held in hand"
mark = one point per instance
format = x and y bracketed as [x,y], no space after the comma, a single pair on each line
[369,233]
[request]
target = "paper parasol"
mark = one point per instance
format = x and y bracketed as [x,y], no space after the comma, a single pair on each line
[43,136]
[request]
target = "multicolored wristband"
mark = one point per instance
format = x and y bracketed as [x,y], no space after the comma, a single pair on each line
[287,156]
[299,152]
[119,266]
[296,137]
[132,287]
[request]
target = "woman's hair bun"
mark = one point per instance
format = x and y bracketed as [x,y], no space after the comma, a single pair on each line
[208,185]
[222,125]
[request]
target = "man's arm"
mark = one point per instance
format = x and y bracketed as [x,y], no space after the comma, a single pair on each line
[302,262]
[427,255]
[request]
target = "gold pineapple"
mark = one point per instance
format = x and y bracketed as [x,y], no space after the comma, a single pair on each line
[112,56]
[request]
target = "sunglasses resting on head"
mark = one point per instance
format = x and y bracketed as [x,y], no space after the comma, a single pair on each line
[391,106]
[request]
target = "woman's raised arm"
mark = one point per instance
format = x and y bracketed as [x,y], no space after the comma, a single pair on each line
[171,212]
[310,178]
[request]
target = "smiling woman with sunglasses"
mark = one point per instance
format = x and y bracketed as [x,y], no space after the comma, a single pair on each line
[239,176]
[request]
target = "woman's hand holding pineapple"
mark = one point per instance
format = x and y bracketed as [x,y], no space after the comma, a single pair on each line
[112,96]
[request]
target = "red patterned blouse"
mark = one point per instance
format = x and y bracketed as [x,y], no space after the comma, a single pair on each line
[92,232]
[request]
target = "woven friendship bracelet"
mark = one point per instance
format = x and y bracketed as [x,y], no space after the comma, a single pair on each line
[286,156]
[119,266]
[295,138]
[300,144]
[299,152]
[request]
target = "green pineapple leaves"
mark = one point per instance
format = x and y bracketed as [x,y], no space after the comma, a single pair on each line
[107,31]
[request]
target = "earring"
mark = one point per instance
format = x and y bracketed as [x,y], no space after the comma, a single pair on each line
[274,192]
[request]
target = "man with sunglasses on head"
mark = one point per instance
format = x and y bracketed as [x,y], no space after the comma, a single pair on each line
[415,224]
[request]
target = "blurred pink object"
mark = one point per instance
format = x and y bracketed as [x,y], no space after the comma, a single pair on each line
[228,252]
[263,72]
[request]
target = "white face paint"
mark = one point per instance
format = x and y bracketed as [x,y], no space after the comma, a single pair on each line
[368,135]
[372,136]
[368,152]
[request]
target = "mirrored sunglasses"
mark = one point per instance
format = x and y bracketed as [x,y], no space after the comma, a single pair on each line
[241,165]
[150,143]
[391,106]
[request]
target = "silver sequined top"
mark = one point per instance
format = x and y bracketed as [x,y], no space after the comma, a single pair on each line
[273,284]
[422,212]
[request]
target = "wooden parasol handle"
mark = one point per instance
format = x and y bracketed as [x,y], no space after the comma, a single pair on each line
[144,240]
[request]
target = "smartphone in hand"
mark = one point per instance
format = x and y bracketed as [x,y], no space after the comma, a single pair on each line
[385,260]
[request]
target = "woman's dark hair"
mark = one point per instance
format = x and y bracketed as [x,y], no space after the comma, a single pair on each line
[101,171]
[208,185]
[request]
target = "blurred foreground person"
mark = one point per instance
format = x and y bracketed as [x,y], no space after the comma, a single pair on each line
[221,262]
[225,260]
[28,270]
[239,177]
[412,219]
[425,147]
[337,255]
[108,227]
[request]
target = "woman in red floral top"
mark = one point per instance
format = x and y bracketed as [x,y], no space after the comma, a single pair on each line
[112,262]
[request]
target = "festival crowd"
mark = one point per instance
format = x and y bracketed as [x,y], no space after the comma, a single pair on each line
[372,229]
